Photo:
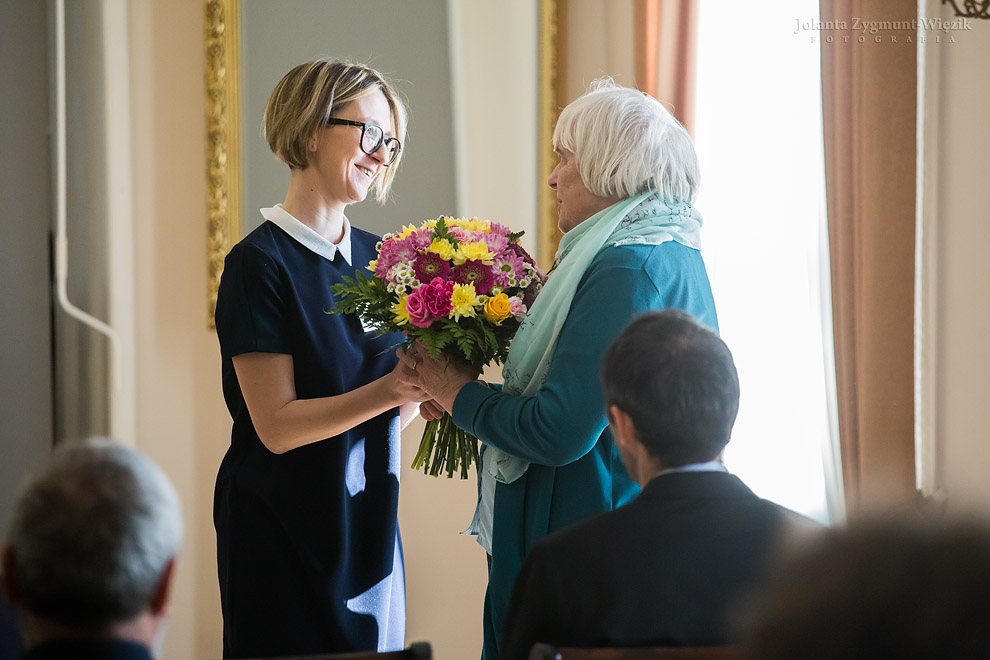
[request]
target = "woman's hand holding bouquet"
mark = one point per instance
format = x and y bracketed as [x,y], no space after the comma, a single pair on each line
[458,289]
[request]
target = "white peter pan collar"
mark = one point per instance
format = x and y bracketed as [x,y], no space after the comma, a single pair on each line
[309,238]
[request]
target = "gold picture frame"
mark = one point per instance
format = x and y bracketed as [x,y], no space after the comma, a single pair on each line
[551,80]
[223,140]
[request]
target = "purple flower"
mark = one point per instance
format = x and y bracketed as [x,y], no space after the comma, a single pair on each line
[393,251]
[529,295]
[421,239]
[521,252]
[500,279]
[495,242]
[476,273]
[429,266]
[509,265]
[500,229]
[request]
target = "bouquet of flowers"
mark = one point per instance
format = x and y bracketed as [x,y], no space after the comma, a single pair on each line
[459,286]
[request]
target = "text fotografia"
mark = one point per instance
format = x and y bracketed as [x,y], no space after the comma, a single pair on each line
[861,28]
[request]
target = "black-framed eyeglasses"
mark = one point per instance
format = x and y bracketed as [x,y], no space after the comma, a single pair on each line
[372,139]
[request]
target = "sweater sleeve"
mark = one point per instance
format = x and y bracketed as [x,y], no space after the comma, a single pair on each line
[564,420]
[566,417]
[250,314]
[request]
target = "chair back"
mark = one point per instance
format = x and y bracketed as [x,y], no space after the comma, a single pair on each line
[548,652]
[415,651]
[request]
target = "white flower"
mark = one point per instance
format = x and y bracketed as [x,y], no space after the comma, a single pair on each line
[404,274]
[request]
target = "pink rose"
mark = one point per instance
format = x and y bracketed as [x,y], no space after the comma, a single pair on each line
[416,306]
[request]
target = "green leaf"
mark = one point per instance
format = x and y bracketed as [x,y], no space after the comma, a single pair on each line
[442,231]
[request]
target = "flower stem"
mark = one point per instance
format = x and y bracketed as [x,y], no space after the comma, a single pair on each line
[447,448]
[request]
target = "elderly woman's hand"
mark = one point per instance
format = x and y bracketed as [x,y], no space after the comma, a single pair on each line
[430,410]
[442,379]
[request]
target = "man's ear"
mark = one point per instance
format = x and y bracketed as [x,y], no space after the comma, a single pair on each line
[163,592]
[623,430]
[9,571]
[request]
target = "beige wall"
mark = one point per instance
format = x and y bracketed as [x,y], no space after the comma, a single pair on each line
[181,421]
[598,36]
[962,234]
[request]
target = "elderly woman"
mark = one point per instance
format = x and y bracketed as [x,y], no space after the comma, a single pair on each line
[625,181]
[310,559]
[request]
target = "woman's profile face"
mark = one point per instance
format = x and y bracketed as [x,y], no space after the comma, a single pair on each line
[345,172]
[575,203]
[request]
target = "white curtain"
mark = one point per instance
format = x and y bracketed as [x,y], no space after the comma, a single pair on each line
[759,139]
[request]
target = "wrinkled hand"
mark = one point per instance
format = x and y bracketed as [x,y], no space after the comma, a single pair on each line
[430,410]
[441,378]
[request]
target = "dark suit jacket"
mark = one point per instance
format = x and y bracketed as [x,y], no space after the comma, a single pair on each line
[667,569]
[11,642]
[78,649]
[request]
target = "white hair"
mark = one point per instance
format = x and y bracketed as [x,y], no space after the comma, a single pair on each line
[93,534]
[625,142]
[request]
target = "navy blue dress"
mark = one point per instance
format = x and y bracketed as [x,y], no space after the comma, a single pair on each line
[11,641]
[309,553]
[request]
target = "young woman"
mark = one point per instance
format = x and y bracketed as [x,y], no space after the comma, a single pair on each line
[309,553]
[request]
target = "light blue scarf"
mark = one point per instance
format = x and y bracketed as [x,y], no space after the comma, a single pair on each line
[643,219]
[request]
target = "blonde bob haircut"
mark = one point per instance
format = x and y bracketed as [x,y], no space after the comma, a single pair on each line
[625,142]
[310,94]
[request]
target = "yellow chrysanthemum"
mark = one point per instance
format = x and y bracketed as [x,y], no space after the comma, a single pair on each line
[473,224]
[497,308]
[463,301]
[406,231]
[476,251]
[399,310]
[442,248]
[372,265]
